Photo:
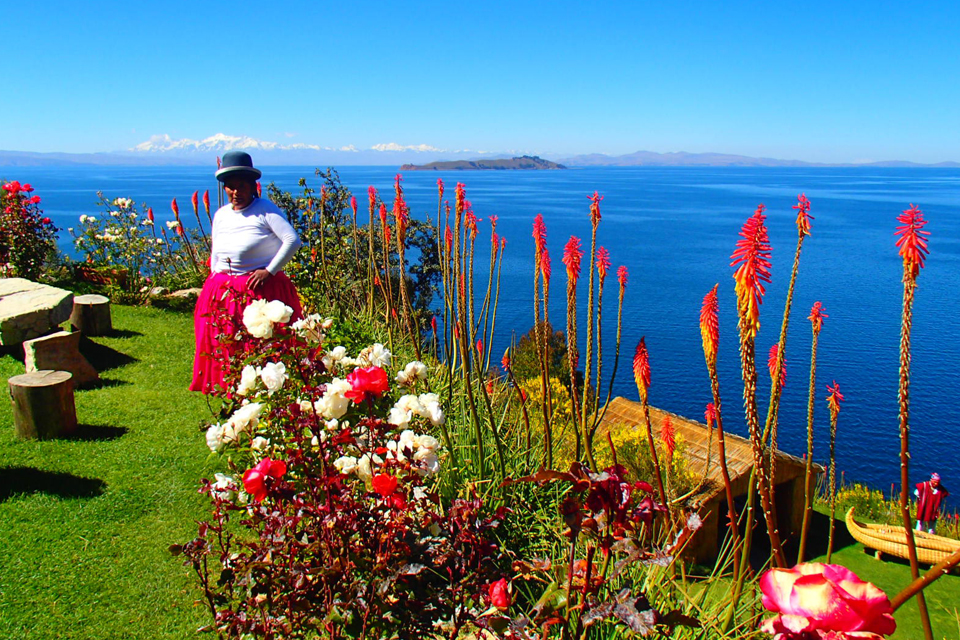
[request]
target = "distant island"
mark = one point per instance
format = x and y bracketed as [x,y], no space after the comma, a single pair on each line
[523,162]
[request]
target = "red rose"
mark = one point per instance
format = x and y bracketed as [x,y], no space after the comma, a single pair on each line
[34,200]
[498,593]
[255,480]
[384,484]
[26,188]
[366,382]
[45,220]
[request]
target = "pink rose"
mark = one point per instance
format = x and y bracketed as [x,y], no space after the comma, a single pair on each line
[816,600]
[255,480]
[366,382]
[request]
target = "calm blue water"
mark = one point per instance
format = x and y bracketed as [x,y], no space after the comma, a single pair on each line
[675,229]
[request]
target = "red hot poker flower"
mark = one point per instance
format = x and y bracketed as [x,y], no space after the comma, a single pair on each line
[622,276]
[460,193]
[440,187]
[595,208]
[367,382]
[834,398]
[772,364]
[641,368]
[710,414]
[668,436]
[912,243]
[545,268]
[175,209]
[603,263]
[753,257]
[383,214]
[257,481]
[195,201]
[150,214]
[572,253]
[206,200]
[353,204]
[816,316]
[505,362]
[433,324]
[803,214]
[539,237]
[448,239]
[372,196]
[709,325]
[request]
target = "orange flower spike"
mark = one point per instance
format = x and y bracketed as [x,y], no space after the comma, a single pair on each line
[603,263]
[912,240]
[195,201]
[175,208]
[206,201]
[383,214]
[641,369]
[816,316]
[709,324]
[150,214]
[622,277]
[772,364]
[503,244]
[834,399]
[448,239]
[668,436]
[753,257]
[803,214]
[372,196]
[545,267]
[461,197]
[480,347]
[539,238]
[353,204]
[595,208]
[471,219]
[440,187]
[572,254]
[493,224]
[710,414]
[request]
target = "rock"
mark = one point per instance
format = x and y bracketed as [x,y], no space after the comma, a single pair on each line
[29,309]
[187,294]
[159,291]
[59,352]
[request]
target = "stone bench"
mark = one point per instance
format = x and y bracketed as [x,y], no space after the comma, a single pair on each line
[29,310]
[59,351]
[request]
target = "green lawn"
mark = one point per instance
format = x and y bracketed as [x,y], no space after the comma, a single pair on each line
[85,523]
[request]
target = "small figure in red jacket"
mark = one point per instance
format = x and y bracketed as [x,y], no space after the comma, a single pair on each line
[930,496]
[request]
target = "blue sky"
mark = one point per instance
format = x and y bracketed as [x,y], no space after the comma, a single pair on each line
[833,82]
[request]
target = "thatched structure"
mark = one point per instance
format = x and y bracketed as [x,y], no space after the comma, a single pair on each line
[709,498]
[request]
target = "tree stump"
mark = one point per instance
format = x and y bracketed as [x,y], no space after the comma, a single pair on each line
[91,315]
[43,405]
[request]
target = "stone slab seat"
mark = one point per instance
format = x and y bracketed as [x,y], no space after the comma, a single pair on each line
[59,351]
[29,310]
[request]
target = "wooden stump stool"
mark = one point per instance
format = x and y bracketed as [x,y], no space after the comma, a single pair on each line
[91,315]
[43,404]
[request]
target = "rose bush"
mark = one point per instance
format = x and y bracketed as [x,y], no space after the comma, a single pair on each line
[27,237]
[327,521]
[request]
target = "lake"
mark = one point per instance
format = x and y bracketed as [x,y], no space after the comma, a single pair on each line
[674,229]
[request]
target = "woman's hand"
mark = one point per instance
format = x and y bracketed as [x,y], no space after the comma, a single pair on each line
[258,278]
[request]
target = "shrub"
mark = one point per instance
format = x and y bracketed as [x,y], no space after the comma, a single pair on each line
[28,239]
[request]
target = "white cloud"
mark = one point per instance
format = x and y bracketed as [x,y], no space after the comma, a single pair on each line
[393,146]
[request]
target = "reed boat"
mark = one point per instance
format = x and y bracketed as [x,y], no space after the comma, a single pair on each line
[890,539]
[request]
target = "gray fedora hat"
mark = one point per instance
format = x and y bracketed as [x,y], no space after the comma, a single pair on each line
[236,163]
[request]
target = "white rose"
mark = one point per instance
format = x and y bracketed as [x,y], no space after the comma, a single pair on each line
[364,469]
[276,311]
[248,380]
[428,442]
[172,224]
[414,371]
[225,486]
[399,417]
[246,416]
[346,464]
[334,404]
[215,437]
[427,462]
[334,356]
[273,374]
[259,443]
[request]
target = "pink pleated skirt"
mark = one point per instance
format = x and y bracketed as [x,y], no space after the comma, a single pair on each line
[218,296]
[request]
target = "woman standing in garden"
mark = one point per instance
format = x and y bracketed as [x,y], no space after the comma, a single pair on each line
[251,243]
